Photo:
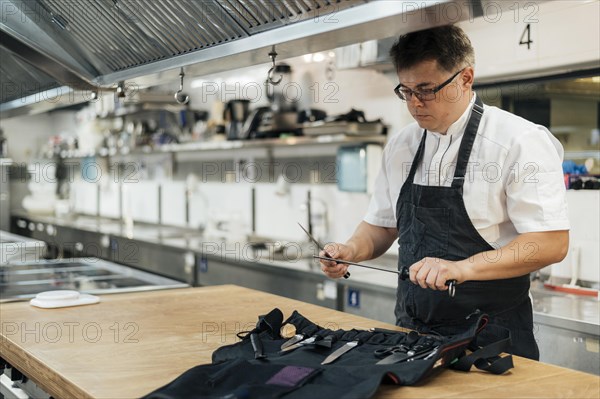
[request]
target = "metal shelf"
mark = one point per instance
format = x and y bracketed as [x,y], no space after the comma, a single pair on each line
[582,154]
[286,146]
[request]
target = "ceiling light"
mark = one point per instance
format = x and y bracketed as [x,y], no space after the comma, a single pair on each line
[318,57]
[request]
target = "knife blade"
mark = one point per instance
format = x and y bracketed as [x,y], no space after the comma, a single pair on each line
[340,351]
[292,341]
[297,345]
[319,246]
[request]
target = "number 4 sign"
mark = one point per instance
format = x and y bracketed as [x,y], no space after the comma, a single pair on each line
[526,37]
[526,43]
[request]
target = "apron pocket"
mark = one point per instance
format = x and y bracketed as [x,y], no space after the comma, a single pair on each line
[409,239]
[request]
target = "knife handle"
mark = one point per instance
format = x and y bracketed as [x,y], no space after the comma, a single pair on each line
[257,346]
[404,275]
[347,275]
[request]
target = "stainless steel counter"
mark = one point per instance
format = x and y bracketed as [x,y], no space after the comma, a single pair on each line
[568,311]
[15,248]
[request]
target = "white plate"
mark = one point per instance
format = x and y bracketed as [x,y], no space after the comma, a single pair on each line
[62,298]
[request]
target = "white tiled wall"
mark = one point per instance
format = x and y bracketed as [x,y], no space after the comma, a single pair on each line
[140,201]
[173,203]
[227,204]
[335,214]
[110,200]
[584,237]
[85,196]
[278,215]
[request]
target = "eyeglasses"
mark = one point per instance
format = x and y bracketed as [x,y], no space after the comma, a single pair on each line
[406,94]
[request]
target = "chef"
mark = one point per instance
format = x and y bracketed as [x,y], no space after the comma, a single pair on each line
[470,192]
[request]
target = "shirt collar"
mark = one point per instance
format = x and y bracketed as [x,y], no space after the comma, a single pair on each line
[458,127]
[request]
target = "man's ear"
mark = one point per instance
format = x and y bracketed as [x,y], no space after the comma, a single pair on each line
[467,77]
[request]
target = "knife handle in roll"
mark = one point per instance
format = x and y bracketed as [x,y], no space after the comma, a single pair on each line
[259,352]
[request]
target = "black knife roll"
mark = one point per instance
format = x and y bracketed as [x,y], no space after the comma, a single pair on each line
[238,371]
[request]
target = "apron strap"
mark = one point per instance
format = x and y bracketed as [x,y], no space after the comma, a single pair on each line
[464,152]
[417,160]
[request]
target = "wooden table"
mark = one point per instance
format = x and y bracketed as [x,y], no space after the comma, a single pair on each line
[130,344]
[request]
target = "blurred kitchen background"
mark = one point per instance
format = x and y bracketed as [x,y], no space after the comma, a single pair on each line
[133,174]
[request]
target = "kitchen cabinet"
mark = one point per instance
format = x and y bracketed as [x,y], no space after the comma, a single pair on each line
[373,302]
[153,258]
[568,348]
[77,242]
[567,329]
[307,287]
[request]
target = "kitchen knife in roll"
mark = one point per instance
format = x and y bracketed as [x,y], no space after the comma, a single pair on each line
[296,338]
[340,351]
[307,341]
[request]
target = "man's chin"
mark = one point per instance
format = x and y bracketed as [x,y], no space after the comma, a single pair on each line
[424,125]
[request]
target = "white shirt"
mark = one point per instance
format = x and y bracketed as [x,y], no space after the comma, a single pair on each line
[514,181]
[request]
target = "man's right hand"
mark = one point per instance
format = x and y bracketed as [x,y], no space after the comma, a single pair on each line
[336,251]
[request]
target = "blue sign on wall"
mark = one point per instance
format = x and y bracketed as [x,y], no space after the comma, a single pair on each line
[353,298]
[202,264]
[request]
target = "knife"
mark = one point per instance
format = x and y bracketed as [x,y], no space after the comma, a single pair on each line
[398,357]
[340,351]
[319,246]
[297,345]
[404,273]
[292,341]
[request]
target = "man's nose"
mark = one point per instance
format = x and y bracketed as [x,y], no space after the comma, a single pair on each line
[414,102]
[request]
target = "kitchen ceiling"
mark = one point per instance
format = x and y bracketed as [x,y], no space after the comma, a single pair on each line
[88,45]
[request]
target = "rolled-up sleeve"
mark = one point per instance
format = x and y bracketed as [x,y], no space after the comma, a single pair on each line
[535,189]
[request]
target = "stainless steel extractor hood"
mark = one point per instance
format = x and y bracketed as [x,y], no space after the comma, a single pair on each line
[95,44]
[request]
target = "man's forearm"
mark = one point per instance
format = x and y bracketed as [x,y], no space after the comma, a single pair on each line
[369,241]
[526,253]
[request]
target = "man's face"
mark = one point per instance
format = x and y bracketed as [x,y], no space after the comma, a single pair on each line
[449,103]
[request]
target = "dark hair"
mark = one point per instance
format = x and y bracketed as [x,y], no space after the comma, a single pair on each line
[448,45]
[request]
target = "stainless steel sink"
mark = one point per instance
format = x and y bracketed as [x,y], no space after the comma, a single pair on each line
[24,280]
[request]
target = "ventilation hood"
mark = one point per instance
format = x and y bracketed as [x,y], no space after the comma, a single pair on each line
[81,46]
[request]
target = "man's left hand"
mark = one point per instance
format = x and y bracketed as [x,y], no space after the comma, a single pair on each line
[433,273]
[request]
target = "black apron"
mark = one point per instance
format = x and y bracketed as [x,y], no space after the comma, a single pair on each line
[432,221]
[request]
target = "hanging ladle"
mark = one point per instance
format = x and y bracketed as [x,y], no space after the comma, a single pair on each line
[179,96]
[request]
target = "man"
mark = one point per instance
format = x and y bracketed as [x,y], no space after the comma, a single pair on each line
[472,193]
